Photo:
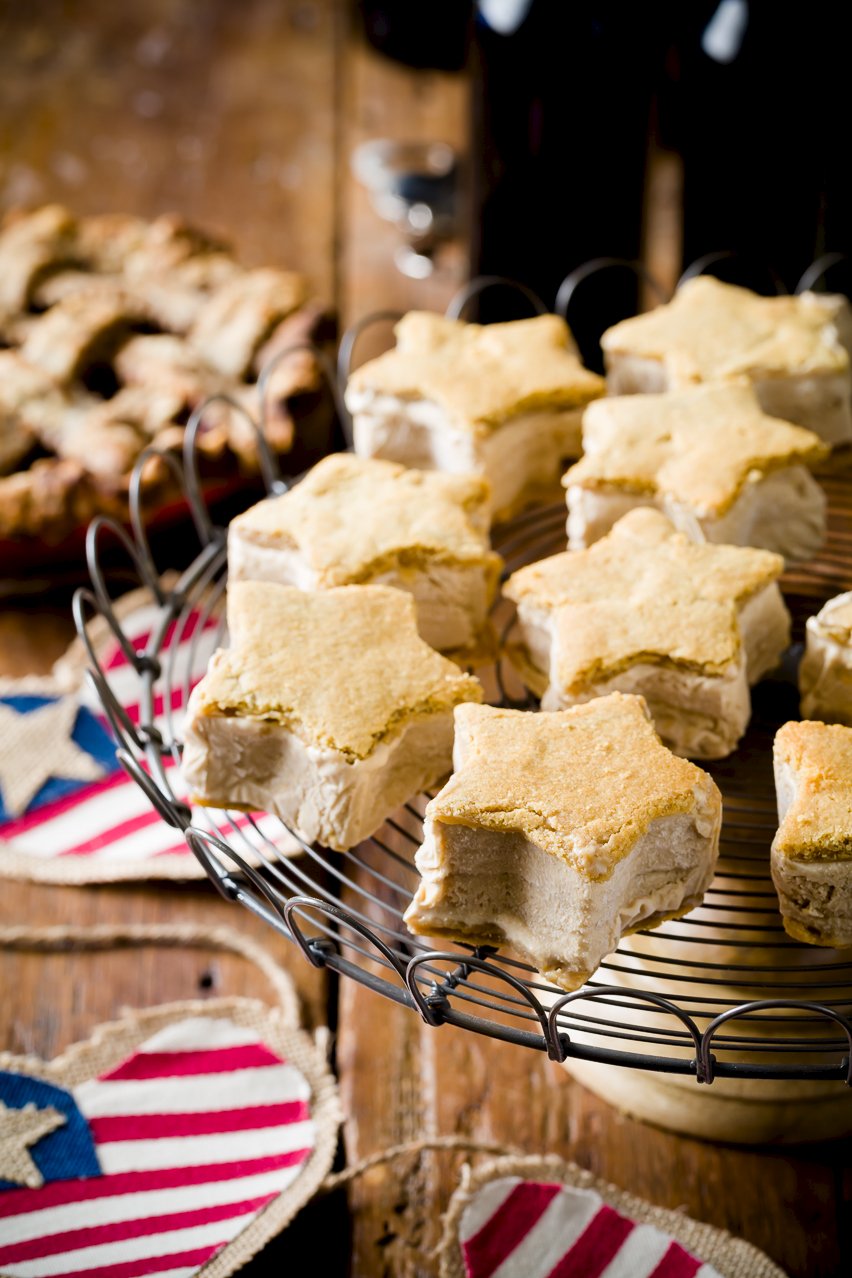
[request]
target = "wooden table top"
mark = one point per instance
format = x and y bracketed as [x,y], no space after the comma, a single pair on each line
[243,118]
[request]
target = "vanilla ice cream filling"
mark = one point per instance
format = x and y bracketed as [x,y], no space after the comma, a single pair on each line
[523,456]
[825,675]
[251,560]
[699,716]
[479,882]
[820,401]
[783,511]
[261,765]
[452,600]
[634,374]
[817,895]
[764,629]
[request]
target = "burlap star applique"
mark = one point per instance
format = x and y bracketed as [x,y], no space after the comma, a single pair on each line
[36,745]
[20,1129]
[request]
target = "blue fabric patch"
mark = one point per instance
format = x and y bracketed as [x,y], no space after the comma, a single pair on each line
[68,1152]
[88,734]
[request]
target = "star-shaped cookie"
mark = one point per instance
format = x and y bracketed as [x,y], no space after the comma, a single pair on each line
[646,610]
[559,832]
[793,349]
[328,710]
[501,400]
[482,374]
[355,520]
[812,851]
[711,458]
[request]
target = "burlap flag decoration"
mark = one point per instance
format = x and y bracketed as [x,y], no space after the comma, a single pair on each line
[174,1142]
[68,811]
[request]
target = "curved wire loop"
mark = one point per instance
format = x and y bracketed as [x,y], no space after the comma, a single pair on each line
[702,264]
[276,484]
[123,727]
[202,842]
[124,730]
[205,527]
[316,949]
[821,266]
[562,1042]
[707,1060]
[529,701]
[135,501]
[434,1007]
[572,281]
[99,525]
[460,300]
[346,349]
[174,812]
[216,873]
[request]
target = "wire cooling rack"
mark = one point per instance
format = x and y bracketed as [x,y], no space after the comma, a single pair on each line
[723,992]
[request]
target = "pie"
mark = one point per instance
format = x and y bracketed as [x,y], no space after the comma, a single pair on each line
[719,467]
[502,401]
[356,520]
[115,329]
[825,675]
[328,709]
[560,832]
[792,349]
[812,851]
[645,610]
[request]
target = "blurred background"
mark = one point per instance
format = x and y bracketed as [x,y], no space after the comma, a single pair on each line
[659,131]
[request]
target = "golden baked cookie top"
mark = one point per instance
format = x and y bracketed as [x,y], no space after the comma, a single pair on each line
[583,784]
[341,668]
[644,593]
[818,823]
[713,331]
[480,375]
[700,446]
[353,517]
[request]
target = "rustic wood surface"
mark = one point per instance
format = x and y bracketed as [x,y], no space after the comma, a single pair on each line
[243,117]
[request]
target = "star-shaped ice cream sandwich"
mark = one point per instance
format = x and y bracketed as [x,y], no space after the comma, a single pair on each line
[812,851]
[328,710]
[503,401]
[356,520]
[560,832]
[794,350]
[825,675]
[689,626]
[710,458]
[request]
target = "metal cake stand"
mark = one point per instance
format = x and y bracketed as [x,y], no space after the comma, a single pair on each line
[721,993]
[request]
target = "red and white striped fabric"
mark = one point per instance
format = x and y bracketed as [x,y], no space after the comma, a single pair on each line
[108,829]
[186,649]
[194,1133]
[515,1228]
[112,826]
